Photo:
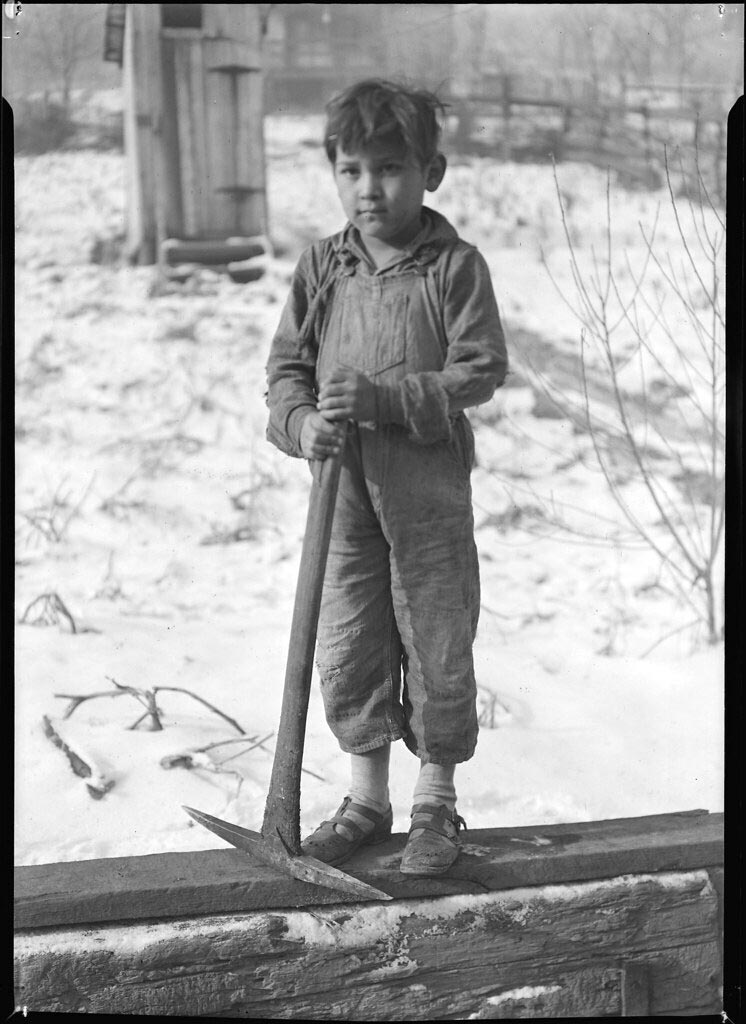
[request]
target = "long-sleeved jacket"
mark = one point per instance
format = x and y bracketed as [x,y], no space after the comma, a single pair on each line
[448,354]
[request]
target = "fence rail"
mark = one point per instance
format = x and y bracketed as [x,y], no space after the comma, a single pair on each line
[629,138]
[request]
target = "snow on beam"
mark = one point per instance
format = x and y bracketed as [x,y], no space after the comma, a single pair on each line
[225,880]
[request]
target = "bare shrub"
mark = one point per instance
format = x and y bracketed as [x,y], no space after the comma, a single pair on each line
[51,519]
[660,348]
[48,610]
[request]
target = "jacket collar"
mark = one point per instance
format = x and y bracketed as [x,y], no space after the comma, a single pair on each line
[424,248]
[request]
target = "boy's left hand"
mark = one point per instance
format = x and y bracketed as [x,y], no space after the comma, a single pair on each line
[347,395]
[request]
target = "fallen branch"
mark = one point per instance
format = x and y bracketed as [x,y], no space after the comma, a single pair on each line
[97,783]
[225,536]
[146,698]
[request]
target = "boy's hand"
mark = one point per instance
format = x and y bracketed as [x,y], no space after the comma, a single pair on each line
[318,438]
[347,395]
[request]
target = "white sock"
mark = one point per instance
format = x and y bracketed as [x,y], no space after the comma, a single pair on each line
[435,785]
[370,778]
[369,785]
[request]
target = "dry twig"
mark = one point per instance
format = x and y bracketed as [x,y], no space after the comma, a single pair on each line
[187,758]
[48,608]
[148,699]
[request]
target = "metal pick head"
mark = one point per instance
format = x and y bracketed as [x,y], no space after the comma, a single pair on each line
[272,850]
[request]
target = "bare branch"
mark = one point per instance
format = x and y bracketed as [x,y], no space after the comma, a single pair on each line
[148,699]
[52,606]
[667,636]
[682,233]
[217,711]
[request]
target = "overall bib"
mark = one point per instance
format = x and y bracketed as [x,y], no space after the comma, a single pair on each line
[401,596]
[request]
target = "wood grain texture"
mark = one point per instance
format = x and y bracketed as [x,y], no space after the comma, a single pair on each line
[143,113]
[166,156]
[226,881]
[192,127]
[149,72]
[554,951]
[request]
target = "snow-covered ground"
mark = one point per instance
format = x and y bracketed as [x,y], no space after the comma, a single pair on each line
[150,504]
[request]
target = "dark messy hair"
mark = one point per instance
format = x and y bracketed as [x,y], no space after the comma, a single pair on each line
[375,110]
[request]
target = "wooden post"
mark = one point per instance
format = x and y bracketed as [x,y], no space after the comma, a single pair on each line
[138,150]
[190,128]
[462,141]
[603,116]
[234,110]
[153,199]
[646,138]
[506,148]
[635,990]
[720,158]
[565,132]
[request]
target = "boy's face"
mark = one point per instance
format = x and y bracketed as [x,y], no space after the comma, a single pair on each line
[381,188]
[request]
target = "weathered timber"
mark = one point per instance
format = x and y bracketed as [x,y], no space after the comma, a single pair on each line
[636,944]
[176,250]
[225,880]
[190,129]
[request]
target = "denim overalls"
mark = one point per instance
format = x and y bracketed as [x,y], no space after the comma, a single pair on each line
[401,596]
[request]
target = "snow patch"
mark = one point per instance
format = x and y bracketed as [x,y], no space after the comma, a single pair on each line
[148,497]
[355,926]
[528,992]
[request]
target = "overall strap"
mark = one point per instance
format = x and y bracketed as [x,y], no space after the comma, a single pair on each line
[335,264]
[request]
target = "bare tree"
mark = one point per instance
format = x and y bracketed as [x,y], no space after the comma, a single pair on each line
[668,430]
[60,42]
[611,46]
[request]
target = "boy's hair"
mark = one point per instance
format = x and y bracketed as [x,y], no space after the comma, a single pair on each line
[375,110]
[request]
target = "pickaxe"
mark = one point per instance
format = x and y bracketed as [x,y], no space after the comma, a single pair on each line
[278,843]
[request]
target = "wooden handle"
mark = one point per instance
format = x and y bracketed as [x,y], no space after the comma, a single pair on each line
[282,810]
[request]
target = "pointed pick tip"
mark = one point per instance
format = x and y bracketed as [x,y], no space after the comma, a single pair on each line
[377,894]
[199,816]
[281,856]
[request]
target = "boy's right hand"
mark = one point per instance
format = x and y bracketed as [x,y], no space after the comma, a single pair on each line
[320,438]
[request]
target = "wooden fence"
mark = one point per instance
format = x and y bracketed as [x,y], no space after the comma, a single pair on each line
[630,138]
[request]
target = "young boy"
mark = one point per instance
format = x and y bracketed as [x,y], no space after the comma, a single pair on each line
[392,324]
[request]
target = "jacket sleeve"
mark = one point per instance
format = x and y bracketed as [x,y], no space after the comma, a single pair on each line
[291,367]
[476,360]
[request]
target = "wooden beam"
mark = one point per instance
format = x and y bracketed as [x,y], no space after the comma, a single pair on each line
[225,880]
[633,945]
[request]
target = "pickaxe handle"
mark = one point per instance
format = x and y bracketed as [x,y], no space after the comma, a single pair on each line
[282,809]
